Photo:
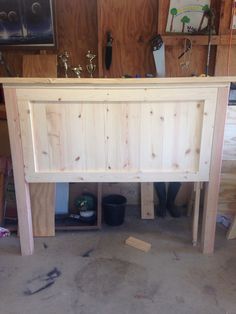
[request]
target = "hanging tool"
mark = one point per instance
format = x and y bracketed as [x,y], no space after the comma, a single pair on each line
[108,52]
[186,55]
[187,47]
[158,48]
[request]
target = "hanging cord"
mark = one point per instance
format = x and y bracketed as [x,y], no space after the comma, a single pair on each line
[231,37]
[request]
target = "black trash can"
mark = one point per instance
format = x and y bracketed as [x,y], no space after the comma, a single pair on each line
[114,209]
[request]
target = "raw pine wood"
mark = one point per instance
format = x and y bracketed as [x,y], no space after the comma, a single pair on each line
[132,53]
[21,186]
[42,194]
[147,201]
[49,150]
[229,151]
[43,209]
[197,189]
[231,234]
[170,102]
[227,194]
[138,244]
[212,188]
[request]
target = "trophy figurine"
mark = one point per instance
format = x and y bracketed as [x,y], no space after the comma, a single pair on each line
[91,67]
[77,70]
[64,58]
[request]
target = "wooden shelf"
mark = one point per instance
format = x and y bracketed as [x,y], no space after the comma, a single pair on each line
[64,222]
[198,40]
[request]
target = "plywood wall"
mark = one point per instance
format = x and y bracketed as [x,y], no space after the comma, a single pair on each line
[132,25]
[76,24]
[82,25]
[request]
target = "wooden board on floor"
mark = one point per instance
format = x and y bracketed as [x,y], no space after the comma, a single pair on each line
[138,244]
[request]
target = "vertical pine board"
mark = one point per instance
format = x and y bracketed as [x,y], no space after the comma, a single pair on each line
[43,209]
[147,201]
[21,186]
[231,234]
[42,194]
[212,187]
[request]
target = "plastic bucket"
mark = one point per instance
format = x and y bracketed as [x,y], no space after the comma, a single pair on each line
[114,209]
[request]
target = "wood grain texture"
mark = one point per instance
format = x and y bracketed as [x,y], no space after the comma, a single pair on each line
[197,188]
[227,194]
[138,244]
[43,209]
[231,234]
[147,201]
[40,65]
[212,188]
[21,186]
[77,31]
[132,32]
[42,194]
[113,118]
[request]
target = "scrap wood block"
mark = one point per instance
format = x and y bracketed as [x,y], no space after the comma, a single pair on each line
[138,244]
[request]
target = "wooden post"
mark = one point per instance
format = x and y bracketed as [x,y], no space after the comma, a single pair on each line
[197,189]
[21,186]
[212,187]
[147,202]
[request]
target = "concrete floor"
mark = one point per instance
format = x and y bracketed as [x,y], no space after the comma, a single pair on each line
[173,277]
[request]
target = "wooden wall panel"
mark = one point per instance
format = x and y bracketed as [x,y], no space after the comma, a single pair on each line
[77,30]
[197,61]
[198,56]
[40,65]
[43,209]
[132,24]
[76,24]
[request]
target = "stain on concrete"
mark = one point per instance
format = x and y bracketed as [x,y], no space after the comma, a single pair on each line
[149,292]
[210,291]
[108,281]
[103,277]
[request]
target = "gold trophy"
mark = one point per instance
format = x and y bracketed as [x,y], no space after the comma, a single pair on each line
[77,70]
[91,67]
[64,58]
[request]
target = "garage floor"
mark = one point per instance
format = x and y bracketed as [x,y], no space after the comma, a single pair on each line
[173,277]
